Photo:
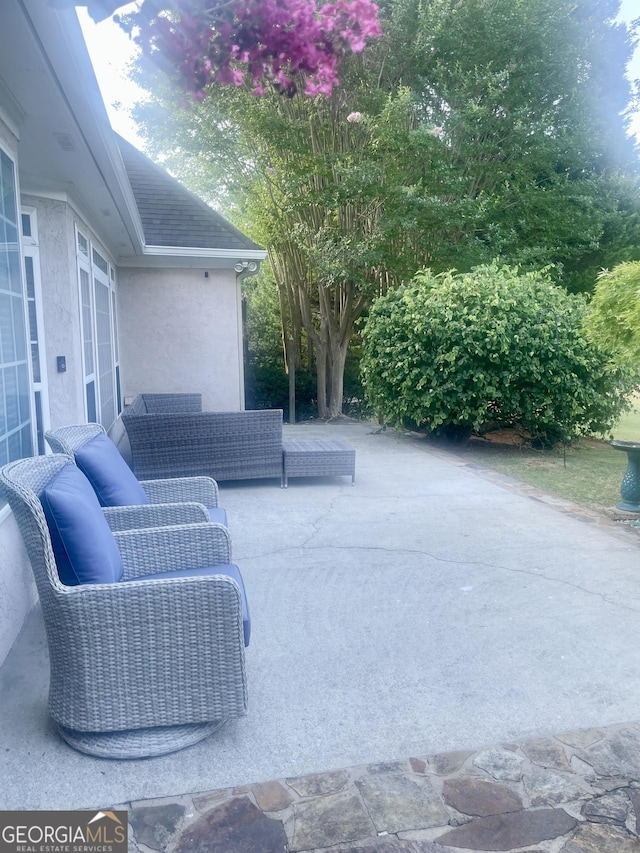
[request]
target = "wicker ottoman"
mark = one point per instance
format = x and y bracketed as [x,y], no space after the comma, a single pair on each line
[315,457]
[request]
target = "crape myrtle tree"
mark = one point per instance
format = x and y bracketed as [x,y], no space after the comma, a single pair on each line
[468,131]
[281,43]
[326,213]
[269,46]
[323,186]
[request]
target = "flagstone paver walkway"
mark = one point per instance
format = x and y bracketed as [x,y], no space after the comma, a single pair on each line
[577,792]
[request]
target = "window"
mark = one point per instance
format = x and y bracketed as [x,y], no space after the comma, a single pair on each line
[116,348]
[16,440]
[100,347]
[35,325]
[104,349]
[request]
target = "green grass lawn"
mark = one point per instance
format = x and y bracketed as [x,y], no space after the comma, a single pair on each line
[629,427]
[588,473]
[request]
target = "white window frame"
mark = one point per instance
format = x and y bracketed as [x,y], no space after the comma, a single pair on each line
[106,385]
[91,264]
[115,340]
[25,423]
[31,249]
[86,322]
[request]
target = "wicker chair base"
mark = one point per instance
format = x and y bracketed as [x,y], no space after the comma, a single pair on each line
[139,743]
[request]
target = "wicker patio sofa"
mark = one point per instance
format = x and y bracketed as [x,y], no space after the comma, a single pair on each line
[170,436]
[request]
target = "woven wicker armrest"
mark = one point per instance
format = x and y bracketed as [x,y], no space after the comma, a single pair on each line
[178,647]
[163,549]
[154,515]
[203,490]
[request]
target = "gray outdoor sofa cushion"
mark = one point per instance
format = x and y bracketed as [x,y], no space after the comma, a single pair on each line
[170,436]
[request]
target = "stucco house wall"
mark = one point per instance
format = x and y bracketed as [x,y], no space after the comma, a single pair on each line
[181,331]
[56,220]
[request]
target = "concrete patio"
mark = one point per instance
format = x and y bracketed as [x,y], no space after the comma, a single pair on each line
[432,608]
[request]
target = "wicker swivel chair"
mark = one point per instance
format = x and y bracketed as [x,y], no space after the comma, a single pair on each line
[114,482]
[145,663]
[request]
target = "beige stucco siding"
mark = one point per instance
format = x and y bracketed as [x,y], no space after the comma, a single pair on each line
[60,308]
[181,332]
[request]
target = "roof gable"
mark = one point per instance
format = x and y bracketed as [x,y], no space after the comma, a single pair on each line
[171,215]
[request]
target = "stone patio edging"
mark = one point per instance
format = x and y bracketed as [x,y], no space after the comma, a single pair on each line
[577,792]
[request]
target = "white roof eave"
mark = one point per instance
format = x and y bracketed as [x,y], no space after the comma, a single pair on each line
[180,256]
[61,37]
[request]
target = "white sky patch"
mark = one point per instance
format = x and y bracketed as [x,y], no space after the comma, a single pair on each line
[630,11]
[112,52]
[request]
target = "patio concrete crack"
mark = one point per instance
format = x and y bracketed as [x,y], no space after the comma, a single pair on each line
[375,548]
[317,522]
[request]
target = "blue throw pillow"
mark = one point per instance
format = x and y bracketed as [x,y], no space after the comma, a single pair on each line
[113,481]
[83,544]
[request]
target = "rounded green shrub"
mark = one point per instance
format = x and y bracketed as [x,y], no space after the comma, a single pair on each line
[453,353]
[614,312]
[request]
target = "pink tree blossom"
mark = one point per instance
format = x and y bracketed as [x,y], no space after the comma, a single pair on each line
[287,43]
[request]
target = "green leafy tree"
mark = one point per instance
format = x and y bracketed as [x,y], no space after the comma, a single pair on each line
[614,316]
[468,131]
[324,216]
[453,353]
[531,96]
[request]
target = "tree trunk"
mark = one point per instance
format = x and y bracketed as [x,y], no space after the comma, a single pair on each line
[321,376]
[339,310]
[328,322]
[337,358]
[292,382]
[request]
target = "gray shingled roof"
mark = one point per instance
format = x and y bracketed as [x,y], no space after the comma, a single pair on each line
[172,215]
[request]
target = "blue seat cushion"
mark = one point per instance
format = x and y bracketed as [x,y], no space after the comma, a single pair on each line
[113,481]
[217,513]
[227,569]
[83,544]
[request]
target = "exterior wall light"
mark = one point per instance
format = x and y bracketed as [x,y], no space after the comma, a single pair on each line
[246,267]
